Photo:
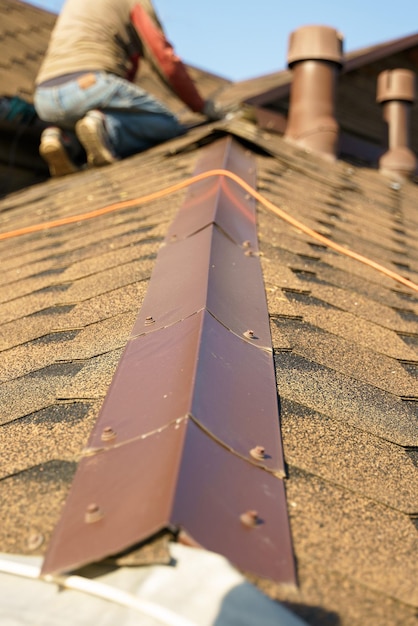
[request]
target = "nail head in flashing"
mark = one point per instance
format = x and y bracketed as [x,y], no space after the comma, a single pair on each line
[35,541]
[93,513]
[315,43]
[249,334]
[149,320]
[108,434]
[258,453]
[250,519]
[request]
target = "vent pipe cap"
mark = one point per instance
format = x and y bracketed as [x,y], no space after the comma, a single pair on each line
[396,85]
[315,43]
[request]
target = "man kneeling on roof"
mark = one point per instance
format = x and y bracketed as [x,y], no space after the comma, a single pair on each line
[85,84]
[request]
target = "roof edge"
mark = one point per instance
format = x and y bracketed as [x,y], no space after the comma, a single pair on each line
[352,61]
[362,56]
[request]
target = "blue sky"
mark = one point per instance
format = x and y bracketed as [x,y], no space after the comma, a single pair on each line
[240,39]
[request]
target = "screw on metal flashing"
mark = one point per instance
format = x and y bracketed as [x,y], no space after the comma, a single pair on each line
[93,513]
[395,186]
[250,519]
[249,334]
[258,453]
[35,541]
[246,243]
[108,434]
[149,320]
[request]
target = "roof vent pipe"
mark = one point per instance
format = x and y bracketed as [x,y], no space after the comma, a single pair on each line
[315,56]
[396,92]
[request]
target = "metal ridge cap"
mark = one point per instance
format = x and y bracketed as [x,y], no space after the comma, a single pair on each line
[192,408]
[207,270]
[193,486]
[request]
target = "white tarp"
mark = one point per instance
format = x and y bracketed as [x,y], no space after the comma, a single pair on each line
[200,588]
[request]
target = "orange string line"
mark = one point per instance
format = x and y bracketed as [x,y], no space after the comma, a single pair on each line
[199,177]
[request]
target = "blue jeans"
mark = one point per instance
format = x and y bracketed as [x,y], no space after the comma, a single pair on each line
[134,120]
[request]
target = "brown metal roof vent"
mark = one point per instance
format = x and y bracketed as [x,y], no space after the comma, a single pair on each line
[315,56]
[396,92]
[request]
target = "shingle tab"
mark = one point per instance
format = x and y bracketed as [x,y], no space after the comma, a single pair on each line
[349,457]
[342,397]
[354,536]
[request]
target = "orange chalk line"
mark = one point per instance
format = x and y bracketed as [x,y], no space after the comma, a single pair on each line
[199,177]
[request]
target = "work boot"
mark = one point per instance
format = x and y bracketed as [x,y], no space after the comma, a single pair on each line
[54,149]
[91,133]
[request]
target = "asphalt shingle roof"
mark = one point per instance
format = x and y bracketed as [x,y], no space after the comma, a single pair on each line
[345,342]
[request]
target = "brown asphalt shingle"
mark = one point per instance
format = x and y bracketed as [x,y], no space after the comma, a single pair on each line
[60,318]
[349,457]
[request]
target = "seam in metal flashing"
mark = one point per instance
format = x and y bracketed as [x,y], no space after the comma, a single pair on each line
[190,424]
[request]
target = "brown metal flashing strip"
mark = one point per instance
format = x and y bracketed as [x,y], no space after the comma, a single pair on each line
[209,271]
[231,507]
[188,436]
[217,390]
[118,498]
[220,201]
[190,482]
